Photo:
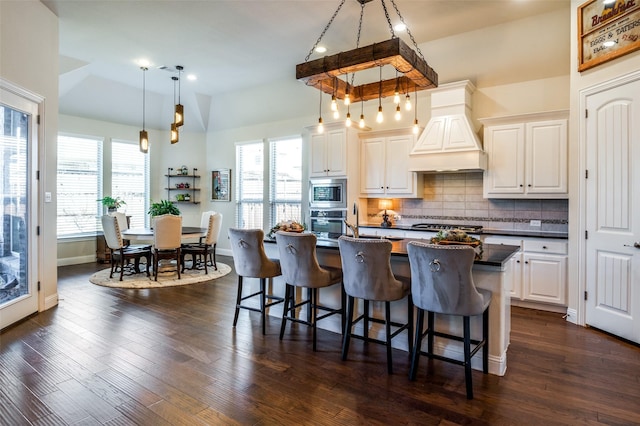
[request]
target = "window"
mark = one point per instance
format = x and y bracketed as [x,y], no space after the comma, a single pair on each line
[284,182]
[79,185]
[250,185]
[130,180]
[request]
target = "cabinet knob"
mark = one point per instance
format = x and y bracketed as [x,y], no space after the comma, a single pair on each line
[544,247]
[526,262]
[521,185]
[529,185]
[517,261]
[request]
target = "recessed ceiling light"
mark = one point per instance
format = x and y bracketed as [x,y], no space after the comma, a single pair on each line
[143,63]
[400,27]
[192,77]
[321,49]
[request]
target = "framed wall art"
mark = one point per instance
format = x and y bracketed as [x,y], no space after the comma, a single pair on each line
[221,185]
[607,30]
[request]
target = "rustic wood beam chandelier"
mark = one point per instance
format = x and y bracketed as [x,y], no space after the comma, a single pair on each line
[324,73]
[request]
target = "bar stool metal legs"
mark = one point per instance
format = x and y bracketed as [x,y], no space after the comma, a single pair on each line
[263,301]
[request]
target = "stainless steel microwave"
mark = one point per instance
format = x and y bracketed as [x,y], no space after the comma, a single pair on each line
[328,193]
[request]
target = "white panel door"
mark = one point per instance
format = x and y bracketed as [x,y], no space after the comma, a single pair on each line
[613,210]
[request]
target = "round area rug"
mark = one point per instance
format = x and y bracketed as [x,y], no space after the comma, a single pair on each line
[167,279]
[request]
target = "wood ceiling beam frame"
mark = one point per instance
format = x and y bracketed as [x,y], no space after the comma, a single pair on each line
[323,73]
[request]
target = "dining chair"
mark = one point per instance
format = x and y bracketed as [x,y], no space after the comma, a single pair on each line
[300,268]
[442,283]
[251,261]
[167,238]
[206,247]
[367,275]
[120,253]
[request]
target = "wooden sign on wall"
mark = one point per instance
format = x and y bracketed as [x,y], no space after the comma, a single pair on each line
[607,31]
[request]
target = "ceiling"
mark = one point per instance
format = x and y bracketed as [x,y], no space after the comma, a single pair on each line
[231,45]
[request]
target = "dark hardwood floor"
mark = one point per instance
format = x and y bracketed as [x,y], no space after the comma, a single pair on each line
[170,356]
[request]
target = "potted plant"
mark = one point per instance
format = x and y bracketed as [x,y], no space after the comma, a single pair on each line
[163,207]
[112,204]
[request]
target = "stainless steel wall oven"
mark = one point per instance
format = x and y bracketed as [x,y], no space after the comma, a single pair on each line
[328,223]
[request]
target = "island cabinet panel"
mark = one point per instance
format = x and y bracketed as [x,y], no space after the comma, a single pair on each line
[527,156]
[493,273]
[384,160]
[539,272]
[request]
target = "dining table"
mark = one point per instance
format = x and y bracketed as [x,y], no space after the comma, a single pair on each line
[146,234]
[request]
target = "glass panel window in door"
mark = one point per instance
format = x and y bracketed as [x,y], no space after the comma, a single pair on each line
[14,127]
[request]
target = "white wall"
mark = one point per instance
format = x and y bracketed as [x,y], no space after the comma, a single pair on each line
[29,59]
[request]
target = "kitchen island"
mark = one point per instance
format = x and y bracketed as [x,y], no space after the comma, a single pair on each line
[492,271]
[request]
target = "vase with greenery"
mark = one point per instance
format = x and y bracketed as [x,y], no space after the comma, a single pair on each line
[112,204]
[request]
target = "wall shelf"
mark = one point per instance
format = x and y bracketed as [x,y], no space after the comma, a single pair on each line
[189,179]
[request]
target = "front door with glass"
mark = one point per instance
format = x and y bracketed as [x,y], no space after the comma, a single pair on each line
[18,295]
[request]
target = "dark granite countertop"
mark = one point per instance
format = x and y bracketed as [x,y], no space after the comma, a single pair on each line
[492,254]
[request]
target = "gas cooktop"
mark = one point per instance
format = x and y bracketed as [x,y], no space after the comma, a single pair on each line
[440,227]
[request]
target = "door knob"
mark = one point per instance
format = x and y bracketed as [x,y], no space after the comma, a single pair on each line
[636,245]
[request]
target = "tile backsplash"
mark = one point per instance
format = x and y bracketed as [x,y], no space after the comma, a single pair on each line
[456,198]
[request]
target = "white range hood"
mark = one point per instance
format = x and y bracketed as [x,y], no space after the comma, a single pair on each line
[450,141]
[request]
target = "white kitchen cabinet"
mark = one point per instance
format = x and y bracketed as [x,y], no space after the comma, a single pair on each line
[544,272]
[527,156]
[328,151]
[384,169]
[539,271]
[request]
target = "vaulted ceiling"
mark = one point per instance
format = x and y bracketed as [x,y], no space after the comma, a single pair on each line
[231,45]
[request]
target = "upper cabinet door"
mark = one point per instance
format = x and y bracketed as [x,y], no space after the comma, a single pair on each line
[318,153]
[372,169]
[398,179]
[337,153]
[505,168]
[547,157]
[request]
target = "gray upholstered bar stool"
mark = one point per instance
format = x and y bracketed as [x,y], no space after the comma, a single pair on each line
[251,261]
[367,275]
[441,283]
[300,268]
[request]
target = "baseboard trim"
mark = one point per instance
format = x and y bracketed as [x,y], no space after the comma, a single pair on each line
[50,301]
[76,260]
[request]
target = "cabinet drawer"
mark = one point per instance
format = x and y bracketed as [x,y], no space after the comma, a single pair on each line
[500,240]
[545,246]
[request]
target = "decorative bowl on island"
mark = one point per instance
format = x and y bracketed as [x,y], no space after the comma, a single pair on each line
[288,226]
[458,237]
